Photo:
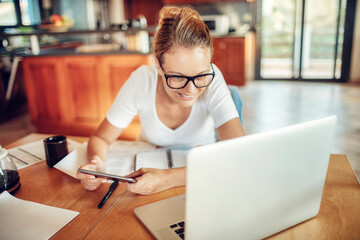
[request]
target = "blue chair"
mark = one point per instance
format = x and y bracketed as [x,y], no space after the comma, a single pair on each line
[238,104]
[237,100]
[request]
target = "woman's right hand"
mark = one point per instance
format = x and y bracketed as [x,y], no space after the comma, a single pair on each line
[90,182]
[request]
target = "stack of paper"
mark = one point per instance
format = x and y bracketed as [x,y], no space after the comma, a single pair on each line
[21,219]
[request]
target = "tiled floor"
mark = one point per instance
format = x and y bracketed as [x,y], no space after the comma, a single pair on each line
[273,104]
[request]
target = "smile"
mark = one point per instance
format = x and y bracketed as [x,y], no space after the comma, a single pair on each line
[186,97]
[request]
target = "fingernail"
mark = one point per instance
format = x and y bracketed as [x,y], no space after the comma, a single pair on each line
[92,177]
[104,181]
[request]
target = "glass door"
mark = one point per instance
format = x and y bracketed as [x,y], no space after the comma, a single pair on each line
[277,33]
[302,39]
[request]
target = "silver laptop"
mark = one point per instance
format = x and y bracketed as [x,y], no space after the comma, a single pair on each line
[247,188]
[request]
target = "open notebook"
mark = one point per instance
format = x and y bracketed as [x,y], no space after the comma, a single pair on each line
[161,159]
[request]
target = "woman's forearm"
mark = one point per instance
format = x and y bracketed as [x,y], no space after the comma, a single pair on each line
[97,147]
[99,142]
[176,177]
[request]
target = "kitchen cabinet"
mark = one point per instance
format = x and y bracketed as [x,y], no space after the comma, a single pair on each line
[229,57]
[71,94]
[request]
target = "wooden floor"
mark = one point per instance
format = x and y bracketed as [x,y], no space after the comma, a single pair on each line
[274,104]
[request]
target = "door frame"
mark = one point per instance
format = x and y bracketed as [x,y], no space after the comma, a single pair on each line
[347,45]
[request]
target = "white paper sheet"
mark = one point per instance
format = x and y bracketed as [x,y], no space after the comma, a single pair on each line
[71,163]
[120,160]
[154,159]
[179,158]
[21,219]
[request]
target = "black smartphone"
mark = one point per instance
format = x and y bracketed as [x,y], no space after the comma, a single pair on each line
[108,176]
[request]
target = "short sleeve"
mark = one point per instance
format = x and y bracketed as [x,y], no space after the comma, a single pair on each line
[128,100]
[219,101]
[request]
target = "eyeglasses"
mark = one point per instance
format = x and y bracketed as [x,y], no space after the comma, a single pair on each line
[199,81]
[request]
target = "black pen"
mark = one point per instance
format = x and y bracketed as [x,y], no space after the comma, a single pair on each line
[111,189]
[169,158]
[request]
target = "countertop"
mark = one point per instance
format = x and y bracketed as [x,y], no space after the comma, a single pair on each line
[39,32]
[73,52]
[230,35]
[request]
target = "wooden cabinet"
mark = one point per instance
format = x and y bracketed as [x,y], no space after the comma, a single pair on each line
[43,77]
[71,94]
[82,78]
[229,56]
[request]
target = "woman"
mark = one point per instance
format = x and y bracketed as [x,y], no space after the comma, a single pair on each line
[180,100]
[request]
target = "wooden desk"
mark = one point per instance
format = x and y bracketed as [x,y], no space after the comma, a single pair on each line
[49,186]
[338,217]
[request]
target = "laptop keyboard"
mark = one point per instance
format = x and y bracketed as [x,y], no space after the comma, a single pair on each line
[179,229]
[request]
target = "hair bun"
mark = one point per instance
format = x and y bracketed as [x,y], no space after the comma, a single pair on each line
[180,26]
[169,14]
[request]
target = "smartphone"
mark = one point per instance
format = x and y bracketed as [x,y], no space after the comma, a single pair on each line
[108,176]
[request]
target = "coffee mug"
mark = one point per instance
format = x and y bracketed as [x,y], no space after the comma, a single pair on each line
[55,149]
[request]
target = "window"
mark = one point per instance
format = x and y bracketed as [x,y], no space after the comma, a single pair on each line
[7,13]
[19,13]
[304,40]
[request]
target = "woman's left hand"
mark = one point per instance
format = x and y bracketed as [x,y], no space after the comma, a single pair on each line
[149,181]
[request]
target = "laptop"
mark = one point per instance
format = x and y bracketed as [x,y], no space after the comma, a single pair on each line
[249,187]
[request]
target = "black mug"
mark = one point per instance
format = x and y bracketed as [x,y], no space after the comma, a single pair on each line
[55,149]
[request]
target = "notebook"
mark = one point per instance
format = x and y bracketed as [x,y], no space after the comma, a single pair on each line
[161,159]
[249,187]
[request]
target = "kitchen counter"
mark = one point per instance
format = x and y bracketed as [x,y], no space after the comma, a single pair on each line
[71,92]
[39,32]
[56,46]
[74,52]
[230,35]
[34,34]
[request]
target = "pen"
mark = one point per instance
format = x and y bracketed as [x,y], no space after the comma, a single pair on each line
[111,189]
[169,157]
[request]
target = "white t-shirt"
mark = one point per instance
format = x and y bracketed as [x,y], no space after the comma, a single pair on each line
[213,108]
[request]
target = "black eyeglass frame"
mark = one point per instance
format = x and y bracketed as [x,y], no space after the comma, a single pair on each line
[192,79]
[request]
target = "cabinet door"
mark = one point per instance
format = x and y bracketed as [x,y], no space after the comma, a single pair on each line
[46,95]
[94,82]
[83,84]
[229,56]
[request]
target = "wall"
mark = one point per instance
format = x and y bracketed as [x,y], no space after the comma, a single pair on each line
[355,56]
[76,10]
[239,13]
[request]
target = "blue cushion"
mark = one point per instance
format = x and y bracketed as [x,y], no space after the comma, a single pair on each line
[237,100]
[238,104]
